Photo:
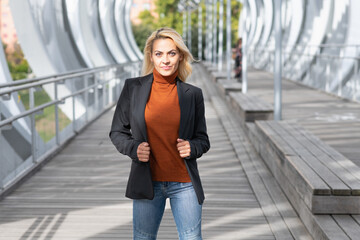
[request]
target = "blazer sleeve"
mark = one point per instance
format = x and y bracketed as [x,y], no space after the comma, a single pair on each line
[200,143]
[120,133]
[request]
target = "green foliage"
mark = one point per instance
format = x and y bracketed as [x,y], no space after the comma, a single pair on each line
[146,18]
[18,66]
[20,70]
[45,121]
[141,33]
[169,16]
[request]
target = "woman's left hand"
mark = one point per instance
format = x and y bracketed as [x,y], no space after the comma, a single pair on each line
[183,147]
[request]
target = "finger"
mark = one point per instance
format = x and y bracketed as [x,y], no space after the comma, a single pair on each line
[184,155]
[180,140]
[143,159]
[144,146]
[183,147]
[144,152]
[184,151]
[143,149]
[182,144]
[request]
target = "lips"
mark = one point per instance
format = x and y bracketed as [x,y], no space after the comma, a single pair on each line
[166,68]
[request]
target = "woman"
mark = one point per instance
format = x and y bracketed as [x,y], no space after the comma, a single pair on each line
[159,123]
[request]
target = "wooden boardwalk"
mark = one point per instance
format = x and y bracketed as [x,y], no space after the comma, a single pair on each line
[80,193]
[334,120]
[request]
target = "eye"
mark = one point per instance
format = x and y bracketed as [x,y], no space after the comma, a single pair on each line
[172,54]
[158,54]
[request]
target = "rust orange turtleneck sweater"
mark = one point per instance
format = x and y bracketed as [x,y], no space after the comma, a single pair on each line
[162,117]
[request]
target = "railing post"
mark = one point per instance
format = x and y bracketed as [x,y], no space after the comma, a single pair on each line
[277,63]
[214,31]
[104,90]
[189,27]
[221,35]
[32,124]
[86,84]
[244,49]
[57,137]
[228,39]
[73,106]
[200,33]
[96,93]
[327,86]
[356,79]
[340,72]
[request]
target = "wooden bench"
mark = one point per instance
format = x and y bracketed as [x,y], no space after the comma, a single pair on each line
[216,76]
[225,87]
[309,171]
[250,108]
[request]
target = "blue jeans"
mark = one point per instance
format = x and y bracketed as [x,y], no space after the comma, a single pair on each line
[147,214]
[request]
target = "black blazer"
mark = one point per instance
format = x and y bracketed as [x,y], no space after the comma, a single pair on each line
[128,128]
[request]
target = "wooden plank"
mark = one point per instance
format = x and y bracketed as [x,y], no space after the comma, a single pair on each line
[304,172]
[298,142]
[275,220]
[351,170]
[349,225]
[284,207]
[267,133]
[250,103]
[336,204]
[305,138]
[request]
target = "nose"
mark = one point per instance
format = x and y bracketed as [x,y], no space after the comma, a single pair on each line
[165,59]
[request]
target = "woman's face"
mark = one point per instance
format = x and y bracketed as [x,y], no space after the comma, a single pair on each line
[165,56]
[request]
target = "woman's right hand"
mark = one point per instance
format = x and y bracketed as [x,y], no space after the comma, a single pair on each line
[143,152]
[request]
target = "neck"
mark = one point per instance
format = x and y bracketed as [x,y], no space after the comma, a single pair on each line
[164,79]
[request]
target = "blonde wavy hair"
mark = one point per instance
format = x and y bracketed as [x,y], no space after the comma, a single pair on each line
[184,69]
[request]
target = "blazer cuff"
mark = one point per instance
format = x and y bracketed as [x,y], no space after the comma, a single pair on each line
[133,153]
[192,151]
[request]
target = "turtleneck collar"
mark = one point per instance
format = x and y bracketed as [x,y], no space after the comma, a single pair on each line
[164,79]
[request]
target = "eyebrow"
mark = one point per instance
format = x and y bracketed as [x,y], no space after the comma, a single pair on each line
[168,51]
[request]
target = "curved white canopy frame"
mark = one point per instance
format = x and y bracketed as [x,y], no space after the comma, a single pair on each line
[107,21]
[268,21]
[129,32]
[120,15]
[259,23]
[73,13]
[253,16]
[353,38]
[298,11]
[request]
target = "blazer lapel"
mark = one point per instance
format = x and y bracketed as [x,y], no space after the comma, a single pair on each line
[184,102]
[143,96]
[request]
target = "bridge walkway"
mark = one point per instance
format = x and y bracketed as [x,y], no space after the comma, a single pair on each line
[80,193]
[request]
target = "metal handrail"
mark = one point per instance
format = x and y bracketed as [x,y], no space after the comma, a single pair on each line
[307,45]
[58,76]
[312,55]
[28,83]
[353,88]
[100,104]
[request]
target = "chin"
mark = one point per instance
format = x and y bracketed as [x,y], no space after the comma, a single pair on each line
[166,73]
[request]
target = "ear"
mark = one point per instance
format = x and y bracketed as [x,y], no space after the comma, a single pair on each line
[181,56]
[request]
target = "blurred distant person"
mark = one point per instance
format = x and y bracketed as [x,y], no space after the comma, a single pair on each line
[238,60]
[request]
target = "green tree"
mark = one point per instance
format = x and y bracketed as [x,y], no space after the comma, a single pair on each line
[169,16]
[141,33]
